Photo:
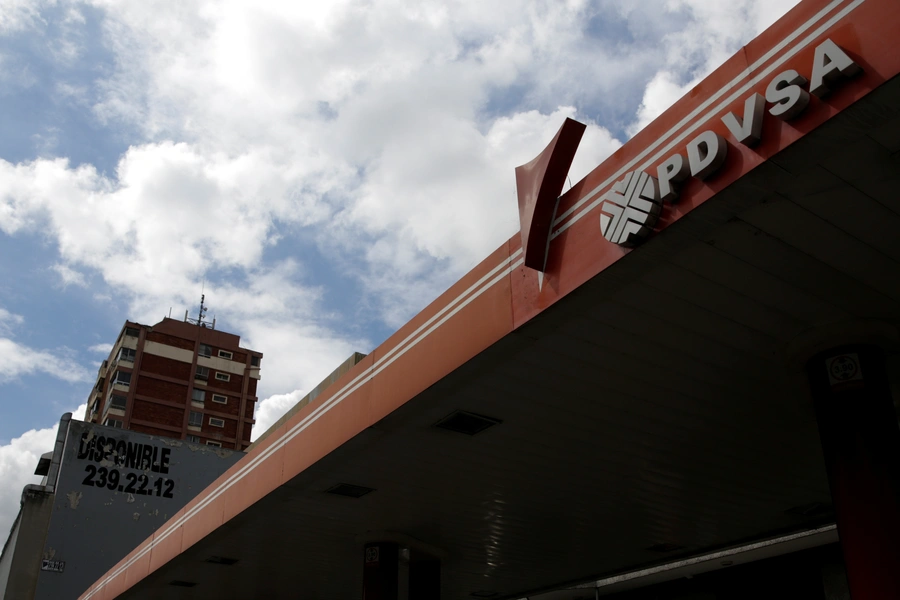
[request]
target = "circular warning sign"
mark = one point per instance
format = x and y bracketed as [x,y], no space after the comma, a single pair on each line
[844,371]
[844,367]
[372,554]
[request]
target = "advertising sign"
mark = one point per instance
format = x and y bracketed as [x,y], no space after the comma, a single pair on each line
[115,488]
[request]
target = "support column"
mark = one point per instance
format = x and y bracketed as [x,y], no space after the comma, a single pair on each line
[393,572]
[861,445]
[382,572]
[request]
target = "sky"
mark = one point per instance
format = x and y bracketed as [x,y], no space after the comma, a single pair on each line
[320,171]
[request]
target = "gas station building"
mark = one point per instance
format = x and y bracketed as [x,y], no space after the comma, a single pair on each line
[677,381]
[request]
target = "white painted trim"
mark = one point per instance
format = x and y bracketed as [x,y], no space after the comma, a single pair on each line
[216,363]
[170,352]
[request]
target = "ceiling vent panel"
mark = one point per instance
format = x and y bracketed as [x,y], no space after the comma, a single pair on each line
[221,560]
[468,423]
[349,490]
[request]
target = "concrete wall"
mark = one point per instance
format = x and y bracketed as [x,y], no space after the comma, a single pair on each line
[20,564]
[6,556]
[115,488]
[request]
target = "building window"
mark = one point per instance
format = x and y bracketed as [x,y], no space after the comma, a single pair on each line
[198,395]
[220,398]
[195,419]
[127,354]
[113,423]
[205,350]
[132,331]
[117,401]
[212,443]
[202,373]
[121,378]
[254,361]
[216,422]
[223,376]
[193,439]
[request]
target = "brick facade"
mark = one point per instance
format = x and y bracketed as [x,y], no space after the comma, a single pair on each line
[162,390]
[161,365]
[228,431]
[234,385]
[158,413]
[232,408]
[150,430]
[170,340]
[159,395]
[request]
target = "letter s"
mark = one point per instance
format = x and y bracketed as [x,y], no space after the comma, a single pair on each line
[786,94]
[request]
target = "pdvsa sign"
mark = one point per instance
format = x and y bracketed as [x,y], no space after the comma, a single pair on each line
[631,208]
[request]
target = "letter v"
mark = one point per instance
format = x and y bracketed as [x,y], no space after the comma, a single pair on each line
[748,130]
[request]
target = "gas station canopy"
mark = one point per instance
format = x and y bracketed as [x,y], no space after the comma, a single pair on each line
[640,399]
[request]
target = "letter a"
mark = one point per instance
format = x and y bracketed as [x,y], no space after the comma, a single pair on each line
[830,64]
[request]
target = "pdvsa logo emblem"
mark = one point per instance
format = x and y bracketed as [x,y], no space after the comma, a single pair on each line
[630,209]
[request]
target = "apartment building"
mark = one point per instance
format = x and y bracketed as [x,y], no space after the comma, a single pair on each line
[178,379]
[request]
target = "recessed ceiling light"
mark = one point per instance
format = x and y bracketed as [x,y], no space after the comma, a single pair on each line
[466,422]
[349,490]
[221,560]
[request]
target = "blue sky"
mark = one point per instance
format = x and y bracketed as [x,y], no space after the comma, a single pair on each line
[320,170]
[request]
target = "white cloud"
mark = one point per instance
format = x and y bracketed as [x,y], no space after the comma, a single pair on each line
[8,320]
[273,408]
[363,122]
[69,276]
[715,31]
[18,460]
[384,134]
[21,360]
[101,348]
[661,92]
[16,15]
[18,359]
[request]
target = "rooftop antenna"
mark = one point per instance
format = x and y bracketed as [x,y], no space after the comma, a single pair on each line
[202,312]
[201,315]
